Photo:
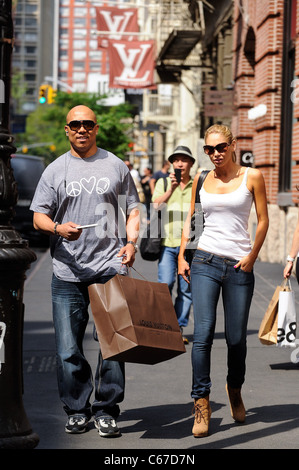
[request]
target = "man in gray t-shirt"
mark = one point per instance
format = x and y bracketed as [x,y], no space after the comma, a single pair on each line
[86,186]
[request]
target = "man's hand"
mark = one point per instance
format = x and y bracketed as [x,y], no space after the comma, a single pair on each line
[69,231]
[127,253]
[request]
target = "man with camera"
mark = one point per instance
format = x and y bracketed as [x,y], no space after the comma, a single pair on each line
[174,204]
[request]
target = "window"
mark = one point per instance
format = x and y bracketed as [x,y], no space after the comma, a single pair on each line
[94,55]
[31,37]
[94,66]
[82,11]
[63,65]
[79,33]
[79,65]
[30,77]
[30,50]
[81,22]
[79,55]
[30,63]
[79,44]
[78,76]
[65,12]
[30,91]
[31,22]
[29,8]
[64,43]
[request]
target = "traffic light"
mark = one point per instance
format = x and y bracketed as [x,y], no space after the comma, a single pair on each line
[42,97]
[51,95]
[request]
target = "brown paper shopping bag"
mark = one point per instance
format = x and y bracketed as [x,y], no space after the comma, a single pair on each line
[135,320]
[268,329]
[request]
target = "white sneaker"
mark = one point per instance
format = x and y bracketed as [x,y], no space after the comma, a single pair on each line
[106,426]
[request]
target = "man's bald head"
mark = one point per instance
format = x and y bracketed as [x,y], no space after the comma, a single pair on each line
[81,112]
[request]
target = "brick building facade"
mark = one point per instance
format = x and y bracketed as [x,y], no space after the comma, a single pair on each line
[266,111]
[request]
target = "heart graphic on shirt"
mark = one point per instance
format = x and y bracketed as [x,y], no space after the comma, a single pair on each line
[88,184]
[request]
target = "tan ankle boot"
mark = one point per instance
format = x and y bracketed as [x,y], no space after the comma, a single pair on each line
[237,408]
[202,411]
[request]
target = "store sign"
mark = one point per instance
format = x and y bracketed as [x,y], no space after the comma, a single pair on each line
[131,64]
[116,21]
[218,103]
[247,158]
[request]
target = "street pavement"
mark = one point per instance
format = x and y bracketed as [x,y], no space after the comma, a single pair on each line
[156,414]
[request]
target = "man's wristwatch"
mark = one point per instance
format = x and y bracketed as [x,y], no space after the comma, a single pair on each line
[134,244]
[289,258]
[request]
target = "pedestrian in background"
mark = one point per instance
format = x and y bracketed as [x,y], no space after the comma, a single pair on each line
[293,255]
[134,173]
[70,193]
[163,173]
[136,178]
[145,183]
[177,198]
[224,260]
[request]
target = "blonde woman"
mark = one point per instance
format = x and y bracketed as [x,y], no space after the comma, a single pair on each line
[224,261]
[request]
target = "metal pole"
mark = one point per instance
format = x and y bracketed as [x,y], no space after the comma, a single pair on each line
[15,259]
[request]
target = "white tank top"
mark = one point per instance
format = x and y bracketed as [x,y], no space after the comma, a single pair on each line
[226,222]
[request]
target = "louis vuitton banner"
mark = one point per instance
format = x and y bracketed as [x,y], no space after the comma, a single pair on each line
[132,64]
[116,21]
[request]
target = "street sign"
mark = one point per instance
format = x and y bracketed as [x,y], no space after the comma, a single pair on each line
[218,103]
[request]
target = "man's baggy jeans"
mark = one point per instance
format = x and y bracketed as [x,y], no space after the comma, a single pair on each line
[75,381]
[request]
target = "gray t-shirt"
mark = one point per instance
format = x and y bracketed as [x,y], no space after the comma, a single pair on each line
[97,189]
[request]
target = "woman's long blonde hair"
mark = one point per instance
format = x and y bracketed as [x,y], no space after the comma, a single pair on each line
[224,130]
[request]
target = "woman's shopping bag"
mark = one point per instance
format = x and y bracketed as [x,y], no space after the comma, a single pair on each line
[269,325]
[135,320]
[287,321]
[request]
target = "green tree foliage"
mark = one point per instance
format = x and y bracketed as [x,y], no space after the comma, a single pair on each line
[46,124]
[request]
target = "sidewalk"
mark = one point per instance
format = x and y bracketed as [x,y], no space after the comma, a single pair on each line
[156,412]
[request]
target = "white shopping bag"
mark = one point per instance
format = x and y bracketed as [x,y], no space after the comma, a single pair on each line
[287,322]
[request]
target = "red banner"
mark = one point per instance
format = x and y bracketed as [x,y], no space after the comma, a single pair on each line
[117,21]
[132,64]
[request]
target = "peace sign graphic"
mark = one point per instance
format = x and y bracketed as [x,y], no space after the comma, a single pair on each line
[73,189]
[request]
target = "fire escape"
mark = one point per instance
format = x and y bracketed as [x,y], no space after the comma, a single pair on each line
[180,27]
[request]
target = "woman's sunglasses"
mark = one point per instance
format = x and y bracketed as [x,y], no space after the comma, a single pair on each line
[76,125]
[221,148]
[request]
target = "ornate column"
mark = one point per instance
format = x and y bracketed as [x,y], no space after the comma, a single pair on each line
[15,259]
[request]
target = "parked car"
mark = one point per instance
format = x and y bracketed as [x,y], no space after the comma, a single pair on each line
[27,171]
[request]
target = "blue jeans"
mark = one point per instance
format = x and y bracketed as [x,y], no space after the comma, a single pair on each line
[210,273]
[167,273]
[75,381]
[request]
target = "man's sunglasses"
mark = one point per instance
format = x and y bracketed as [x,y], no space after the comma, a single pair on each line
[76,125]
[221,148]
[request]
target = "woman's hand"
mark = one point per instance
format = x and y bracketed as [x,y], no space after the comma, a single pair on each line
[246,263]
[184,269]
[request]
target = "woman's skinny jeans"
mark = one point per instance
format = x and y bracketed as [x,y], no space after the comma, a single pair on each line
[75,379]
[210,273]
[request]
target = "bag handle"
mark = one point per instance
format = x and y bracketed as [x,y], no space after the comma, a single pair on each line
[200,182]
[132,267]
[286,284]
